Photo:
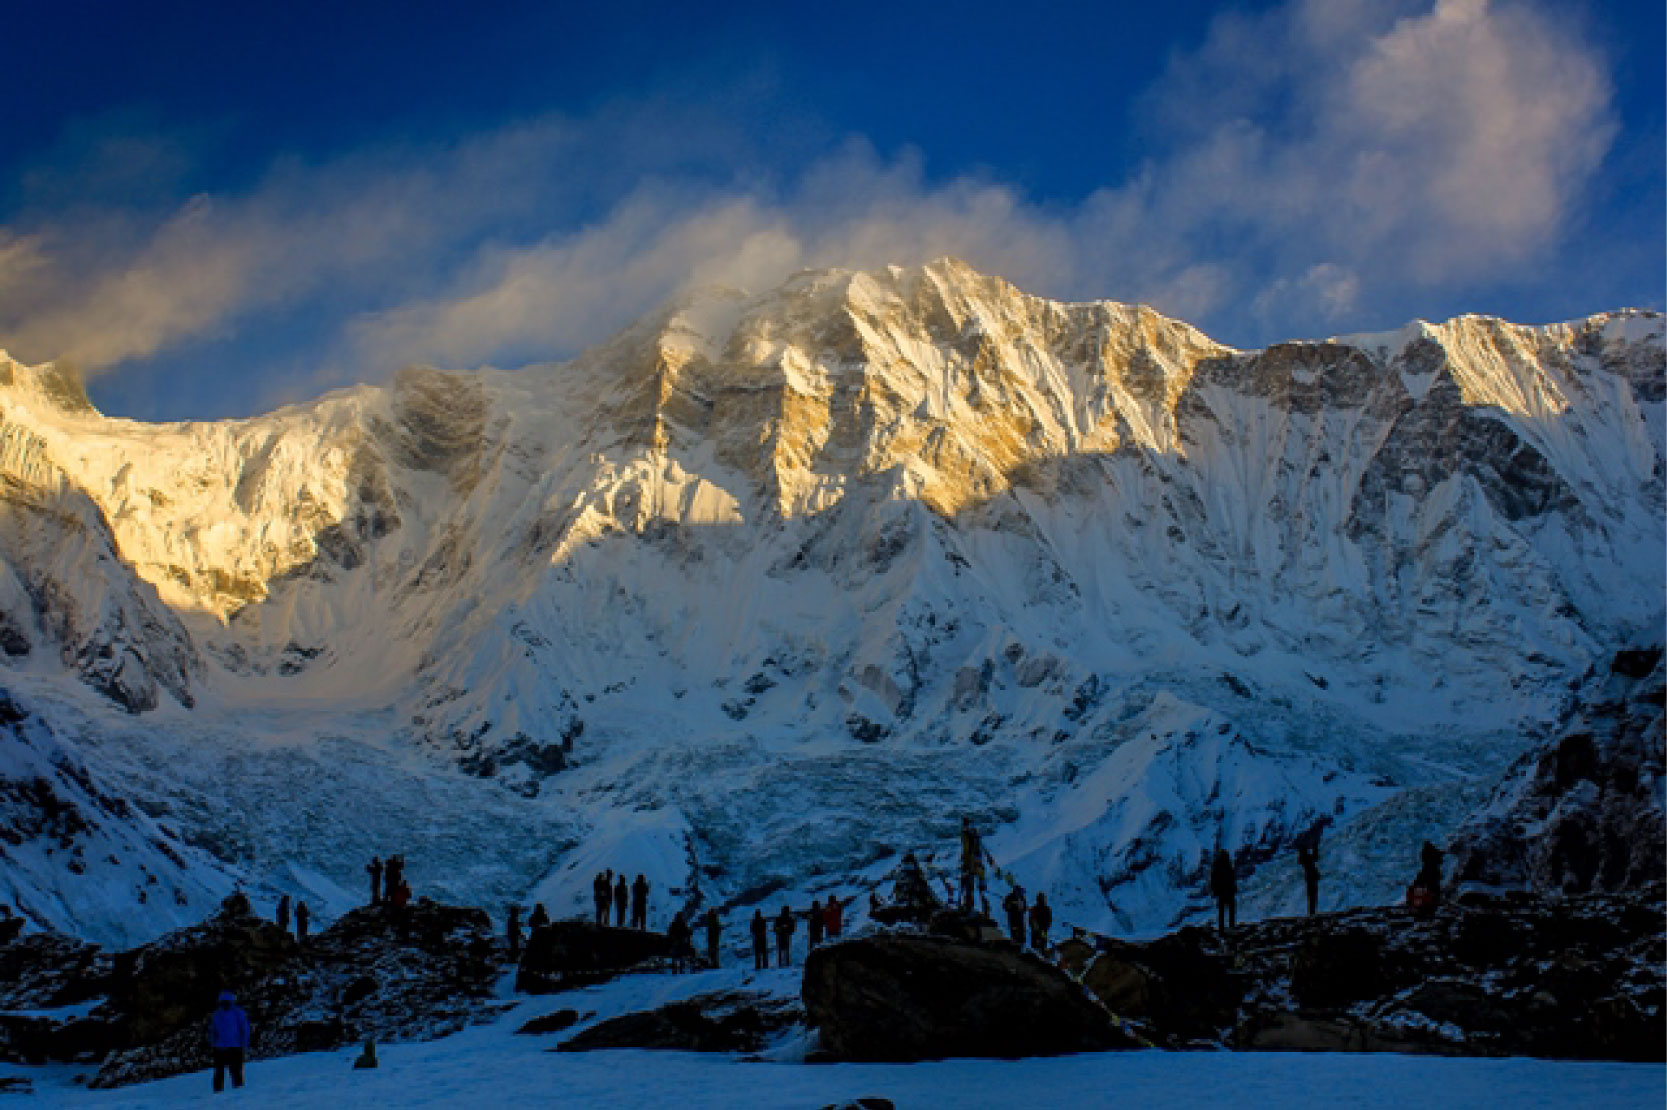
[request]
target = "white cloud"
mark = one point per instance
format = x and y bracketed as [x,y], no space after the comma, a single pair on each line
[1308,164]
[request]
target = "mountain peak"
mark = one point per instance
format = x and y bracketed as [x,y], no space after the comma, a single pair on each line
[58,384]
[874,542]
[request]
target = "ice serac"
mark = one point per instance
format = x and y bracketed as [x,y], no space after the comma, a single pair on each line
[770,588]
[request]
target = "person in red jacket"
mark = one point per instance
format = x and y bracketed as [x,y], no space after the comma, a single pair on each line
[834,912]
[229,1037]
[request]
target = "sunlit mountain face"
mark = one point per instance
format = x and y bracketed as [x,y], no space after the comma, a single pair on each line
[771,588]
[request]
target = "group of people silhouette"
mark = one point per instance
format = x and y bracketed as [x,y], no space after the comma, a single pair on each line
[387,882]
[626,905]
[611,892]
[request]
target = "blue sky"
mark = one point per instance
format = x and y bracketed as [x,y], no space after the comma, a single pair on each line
[215,208]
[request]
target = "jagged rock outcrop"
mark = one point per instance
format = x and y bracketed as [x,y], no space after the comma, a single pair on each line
[904,998]
[1585,812]
[46,971]
[76,833]
[49,985]
[1576,977]
[376,973]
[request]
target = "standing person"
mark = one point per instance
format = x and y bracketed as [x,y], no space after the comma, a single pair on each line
[1224,885]
[602,894]
[303,916]
[1015,905]
[283,913]
[402,895]
[229,1038]
[1041,920]
[374,870]
[835,913]
[785,926]
[514,931]
[1308,857]
[972,862]
[1429,874]
[681,937]
[540,917]
[760,941]
[393,874]
[814,924]
[714,935]
[639,903]
[622,898]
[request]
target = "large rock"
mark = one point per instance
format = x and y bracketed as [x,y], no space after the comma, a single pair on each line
[567,954]
[726,1021]
[905,997]
[1179,987]
[76,1039]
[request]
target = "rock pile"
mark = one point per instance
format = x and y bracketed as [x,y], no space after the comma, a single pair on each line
[377,972]
[1487,975]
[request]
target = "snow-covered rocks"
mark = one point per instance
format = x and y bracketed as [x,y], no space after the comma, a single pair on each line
[1586,811]
[1524,975]
[141,1014]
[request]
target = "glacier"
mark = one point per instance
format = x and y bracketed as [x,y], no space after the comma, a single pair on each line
[772,588]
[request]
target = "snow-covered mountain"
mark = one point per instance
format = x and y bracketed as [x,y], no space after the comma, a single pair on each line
[769,589]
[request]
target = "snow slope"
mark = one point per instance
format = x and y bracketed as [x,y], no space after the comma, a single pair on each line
[771,588]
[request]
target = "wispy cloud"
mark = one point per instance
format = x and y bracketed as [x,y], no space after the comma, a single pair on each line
[1308,165]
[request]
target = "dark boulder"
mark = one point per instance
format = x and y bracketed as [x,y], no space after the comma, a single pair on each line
[557,1022]
[728,1021]
[1180,987]
[1336,967]
[968,928]
[1272,1030]
[1636,662]
[41,1040]
[904,998]
[567,954]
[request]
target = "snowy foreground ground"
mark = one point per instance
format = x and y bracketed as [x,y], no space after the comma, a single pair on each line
[490,1066]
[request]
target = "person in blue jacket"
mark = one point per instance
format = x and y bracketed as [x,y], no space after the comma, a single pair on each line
[229,1031]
